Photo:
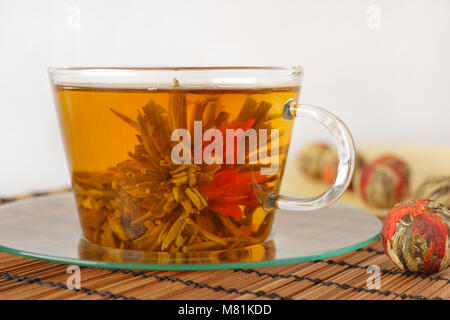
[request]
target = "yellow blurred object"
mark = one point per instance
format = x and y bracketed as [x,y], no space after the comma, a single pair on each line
[424,161]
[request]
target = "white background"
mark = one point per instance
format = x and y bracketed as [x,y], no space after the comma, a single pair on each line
[383,66]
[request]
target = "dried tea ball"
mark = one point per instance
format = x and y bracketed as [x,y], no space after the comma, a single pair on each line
[329,165]
[435,188]
[415,236]
[383,182]
[396,163]
[311,158]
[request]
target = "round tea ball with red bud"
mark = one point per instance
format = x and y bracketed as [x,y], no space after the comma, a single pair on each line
[310,159]
[329,165]
[415,236]
[384,182]
[435,188]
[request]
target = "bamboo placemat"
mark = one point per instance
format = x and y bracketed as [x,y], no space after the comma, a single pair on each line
[341,277]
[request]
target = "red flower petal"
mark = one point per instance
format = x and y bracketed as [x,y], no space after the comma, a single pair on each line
[231,199]
[231,188]
[229,209]
[238,125]
[223,182]
[252,200]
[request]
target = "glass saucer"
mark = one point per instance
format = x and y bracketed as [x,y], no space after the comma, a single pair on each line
[47,228]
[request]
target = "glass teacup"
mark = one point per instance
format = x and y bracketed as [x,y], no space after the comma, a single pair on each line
[185,159]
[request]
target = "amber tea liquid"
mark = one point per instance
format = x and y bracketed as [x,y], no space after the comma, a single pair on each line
[130,192]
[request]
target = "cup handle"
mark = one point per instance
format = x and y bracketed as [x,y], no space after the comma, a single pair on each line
[346,152]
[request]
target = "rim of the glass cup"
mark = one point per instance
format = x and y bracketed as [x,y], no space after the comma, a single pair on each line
[294,69]
[232,75]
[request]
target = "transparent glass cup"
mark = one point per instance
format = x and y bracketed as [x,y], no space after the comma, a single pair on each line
[183,160]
